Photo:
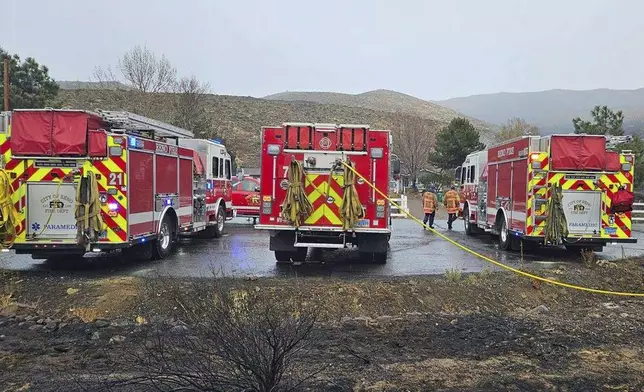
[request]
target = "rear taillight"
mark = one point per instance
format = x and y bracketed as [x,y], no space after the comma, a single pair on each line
[267,205]
[380,209]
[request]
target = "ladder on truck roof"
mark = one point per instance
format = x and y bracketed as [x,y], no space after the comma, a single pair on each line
[137,123]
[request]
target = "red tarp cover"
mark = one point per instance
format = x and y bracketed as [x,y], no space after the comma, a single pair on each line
[69,134]
[97,141]
[47,133]
[31,132]
[612,161]
[578,152]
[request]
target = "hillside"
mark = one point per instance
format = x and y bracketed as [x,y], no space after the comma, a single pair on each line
[381,100]
[239,119]
[552,110]
[76,85]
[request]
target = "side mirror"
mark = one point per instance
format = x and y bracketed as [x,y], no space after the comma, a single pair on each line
[396,166]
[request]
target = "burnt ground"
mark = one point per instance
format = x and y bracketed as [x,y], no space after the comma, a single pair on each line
[485,332]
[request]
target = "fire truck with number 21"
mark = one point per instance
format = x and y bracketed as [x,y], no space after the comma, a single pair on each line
[90,182]
[316,193]
[571,190]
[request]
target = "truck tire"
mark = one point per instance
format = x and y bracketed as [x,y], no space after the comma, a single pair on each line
[283,257]
[288,257]
[220,220]
[300,254]
[163,244]
[505,239]
[469,230]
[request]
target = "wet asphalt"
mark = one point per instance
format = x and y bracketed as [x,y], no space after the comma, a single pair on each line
[243,252]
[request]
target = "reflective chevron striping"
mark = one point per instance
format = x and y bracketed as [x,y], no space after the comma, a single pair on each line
[318,188]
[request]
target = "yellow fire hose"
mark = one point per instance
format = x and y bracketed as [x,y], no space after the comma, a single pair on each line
[351,209]
[556,225]
[492,261]
[8,215]
[296,206]
[89,223]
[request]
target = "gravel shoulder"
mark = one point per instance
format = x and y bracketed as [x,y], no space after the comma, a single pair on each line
[486,331]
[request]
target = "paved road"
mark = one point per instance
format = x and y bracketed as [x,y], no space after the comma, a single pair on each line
[243,251]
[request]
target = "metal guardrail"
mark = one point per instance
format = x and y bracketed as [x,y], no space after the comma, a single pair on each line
[638,213]
[402,202]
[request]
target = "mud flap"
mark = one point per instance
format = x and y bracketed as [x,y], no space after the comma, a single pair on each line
[282,241]
[372,242]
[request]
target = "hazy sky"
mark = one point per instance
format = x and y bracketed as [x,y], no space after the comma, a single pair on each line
[430,49]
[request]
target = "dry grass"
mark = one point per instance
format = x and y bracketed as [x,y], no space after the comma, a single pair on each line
[5,300]
[87,315]
[453,275]
[589,258]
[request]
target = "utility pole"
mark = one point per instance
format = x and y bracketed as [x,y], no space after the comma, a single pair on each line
[6,84]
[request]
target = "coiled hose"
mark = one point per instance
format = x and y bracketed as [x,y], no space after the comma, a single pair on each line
[89,223]
[556,224]
[8,215]
[351,210]
[296,206]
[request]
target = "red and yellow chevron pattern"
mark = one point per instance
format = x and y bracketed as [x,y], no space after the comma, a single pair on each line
[540,180]
[111,174]
[325,194]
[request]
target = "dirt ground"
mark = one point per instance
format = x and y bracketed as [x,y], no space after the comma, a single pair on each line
[483,332]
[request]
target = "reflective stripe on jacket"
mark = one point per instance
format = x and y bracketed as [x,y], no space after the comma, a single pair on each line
[430,202]
[451,201]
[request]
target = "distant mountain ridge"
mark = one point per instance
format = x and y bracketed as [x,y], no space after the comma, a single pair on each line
[552,110]
[381,100]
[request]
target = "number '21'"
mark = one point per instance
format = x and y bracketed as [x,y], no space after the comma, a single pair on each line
[116,179]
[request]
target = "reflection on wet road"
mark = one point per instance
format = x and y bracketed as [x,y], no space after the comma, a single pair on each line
[243,251]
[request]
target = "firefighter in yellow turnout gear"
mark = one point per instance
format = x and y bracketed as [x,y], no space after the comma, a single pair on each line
[451,200]
[430,203]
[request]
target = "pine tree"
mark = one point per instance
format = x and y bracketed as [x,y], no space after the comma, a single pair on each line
[454,143]
[29,83]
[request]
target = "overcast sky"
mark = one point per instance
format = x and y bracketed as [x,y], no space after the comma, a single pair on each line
[430,49]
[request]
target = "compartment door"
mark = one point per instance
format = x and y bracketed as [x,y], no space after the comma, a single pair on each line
[583,211]
[50,210]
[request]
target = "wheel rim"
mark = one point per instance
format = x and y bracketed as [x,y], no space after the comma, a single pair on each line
[504,232]
[466,219]
[164,236]
[220,220]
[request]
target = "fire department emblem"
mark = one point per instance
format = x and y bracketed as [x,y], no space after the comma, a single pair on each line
[284,184]
[252,199]
[325,143]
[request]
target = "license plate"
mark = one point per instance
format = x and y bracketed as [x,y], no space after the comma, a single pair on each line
[363,223]
[610,230]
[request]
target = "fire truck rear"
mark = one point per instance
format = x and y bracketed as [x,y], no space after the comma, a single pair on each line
[340,209]
[92,182]
[524,188]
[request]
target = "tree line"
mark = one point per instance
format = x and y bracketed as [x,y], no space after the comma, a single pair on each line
[140,77]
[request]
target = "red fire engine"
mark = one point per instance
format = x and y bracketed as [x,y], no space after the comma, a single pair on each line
[508,189]
[101,181]
[319,150]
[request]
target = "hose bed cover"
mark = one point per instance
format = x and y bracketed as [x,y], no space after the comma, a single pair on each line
[51,132]
[579,152]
